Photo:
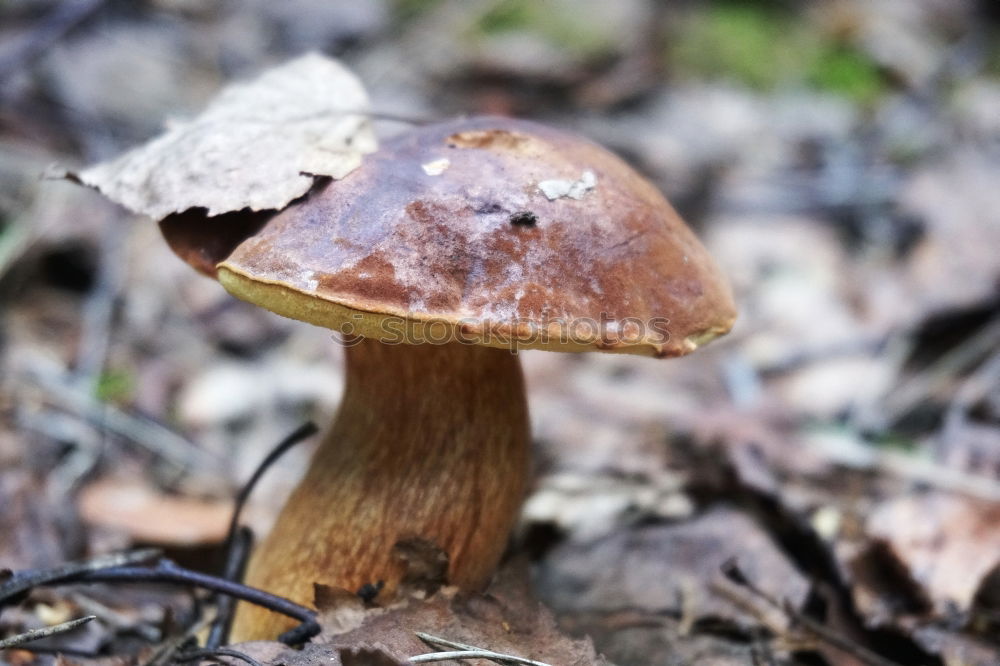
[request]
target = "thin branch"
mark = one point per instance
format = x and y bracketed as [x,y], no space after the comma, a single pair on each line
[45,632]
[301,433]
[117,569]
[24,581]
[467,654]
[933,379]
[236,556]
[141,430]
[855,455]
[166,571]
[732,571]
[191,655]
[464,651]
[239,540]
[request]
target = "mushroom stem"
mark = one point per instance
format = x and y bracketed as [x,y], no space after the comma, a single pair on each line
[431,441]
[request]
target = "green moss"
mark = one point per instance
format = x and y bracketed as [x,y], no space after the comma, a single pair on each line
[114,386]
[506,16]
[846,71]
[745,43]
[764,47]
[556,22]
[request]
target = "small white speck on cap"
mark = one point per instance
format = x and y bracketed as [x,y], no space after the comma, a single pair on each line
[574,189]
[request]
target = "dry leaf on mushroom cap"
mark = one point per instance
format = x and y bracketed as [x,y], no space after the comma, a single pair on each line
[258,146]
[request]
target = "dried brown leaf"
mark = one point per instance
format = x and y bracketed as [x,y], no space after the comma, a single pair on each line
[150,516]
[948,543]
[505,619]
[955,649]
[673,569]
[341,609]
[634,638]
[258,145]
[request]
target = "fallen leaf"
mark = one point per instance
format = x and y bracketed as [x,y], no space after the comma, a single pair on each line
[671,569]
[949,544]
[882,588]
[956,649]
[150,516]
[505,619]
[341,609]
[632,638]
[259,145]
[587,506]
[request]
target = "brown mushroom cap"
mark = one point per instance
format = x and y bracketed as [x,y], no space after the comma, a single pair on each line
[449,230]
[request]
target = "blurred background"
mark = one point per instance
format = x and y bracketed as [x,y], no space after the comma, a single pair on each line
[840,159]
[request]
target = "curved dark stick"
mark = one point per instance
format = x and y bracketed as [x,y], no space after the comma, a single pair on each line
[165,571]
[216,652]
[304,431]
[240,539]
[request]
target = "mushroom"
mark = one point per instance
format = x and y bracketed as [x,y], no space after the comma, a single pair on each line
[448,248]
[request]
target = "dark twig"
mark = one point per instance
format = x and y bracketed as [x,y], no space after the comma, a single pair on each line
[731,570]
[166,571]
[191,655]
[239,540]
[118,569]
[45,632]
[141,430]
[306,430]
[236,556]
[24,581]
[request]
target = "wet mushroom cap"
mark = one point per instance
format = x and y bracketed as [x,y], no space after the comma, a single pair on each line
[489,230]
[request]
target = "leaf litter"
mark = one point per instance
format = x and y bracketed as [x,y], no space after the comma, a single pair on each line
[833,443]
[505,619]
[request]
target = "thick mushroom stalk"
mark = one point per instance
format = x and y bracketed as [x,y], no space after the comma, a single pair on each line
[431,441]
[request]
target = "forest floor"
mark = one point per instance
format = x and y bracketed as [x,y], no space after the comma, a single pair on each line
[822,486]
